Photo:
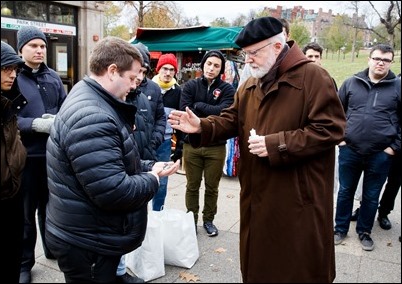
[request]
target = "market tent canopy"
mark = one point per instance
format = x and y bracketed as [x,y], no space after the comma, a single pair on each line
[188,39]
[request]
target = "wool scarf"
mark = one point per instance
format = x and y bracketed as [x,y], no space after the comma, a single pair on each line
[163,85]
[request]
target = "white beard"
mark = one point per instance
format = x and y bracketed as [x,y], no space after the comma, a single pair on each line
[258,73]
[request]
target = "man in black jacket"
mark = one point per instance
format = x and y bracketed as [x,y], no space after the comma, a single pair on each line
[99,187]
[149,129]
[372,101]
[205,96]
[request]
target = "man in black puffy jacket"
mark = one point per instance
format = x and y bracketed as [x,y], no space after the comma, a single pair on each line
[99,187]
[150,123]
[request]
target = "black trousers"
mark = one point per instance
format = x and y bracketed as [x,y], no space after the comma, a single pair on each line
[12,226]
[36,196]
[392,187]
[80,265]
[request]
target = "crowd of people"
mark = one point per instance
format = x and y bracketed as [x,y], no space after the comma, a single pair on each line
[89,165]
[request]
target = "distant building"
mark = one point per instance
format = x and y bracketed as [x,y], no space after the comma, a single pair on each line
[315,22]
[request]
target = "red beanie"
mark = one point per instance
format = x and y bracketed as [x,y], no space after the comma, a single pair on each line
[167,58]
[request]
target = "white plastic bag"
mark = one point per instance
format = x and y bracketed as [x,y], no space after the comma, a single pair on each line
[147,261]
[180,242]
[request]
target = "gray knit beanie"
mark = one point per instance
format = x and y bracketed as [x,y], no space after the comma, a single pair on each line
[28,33]
[143,49]
[9,56]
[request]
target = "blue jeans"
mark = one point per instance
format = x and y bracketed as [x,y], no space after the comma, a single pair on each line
[351,166]
[163,155]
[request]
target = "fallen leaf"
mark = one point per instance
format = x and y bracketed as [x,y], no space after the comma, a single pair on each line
[389,244]
[220,250]
[186,276]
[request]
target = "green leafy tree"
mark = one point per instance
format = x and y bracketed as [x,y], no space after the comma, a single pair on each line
[336,36]
[300,33]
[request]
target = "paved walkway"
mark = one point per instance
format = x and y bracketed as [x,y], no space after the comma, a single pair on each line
[219,256]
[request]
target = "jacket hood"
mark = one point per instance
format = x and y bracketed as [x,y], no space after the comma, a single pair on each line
[9,56]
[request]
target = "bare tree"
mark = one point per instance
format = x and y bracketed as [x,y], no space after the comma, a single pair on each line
[391,19]
[148,7]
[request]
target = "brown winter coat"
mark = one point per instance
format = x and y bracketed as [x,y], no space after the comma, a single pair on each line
[13,152]
[286,199]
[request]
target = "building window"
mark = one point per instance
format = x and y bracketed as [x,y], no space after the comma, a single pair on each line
[7,8]
[31,10]
[39,11]
[61,14]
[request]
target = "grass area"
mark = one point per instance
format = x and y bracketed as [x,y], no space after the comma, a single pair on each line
[341,69]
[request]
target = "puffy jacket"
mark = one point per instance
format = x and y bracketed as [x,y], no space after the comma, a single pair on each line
[98,186]
[13,153]
[144,124]
[372,113]
[154,96]
[45,93]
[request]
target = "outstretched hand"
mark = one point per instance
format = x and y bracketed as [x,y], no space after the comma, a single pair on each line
[185,121]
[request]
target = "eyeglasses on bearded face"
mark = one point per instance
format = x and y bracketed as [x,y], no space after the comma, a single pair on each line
[255,52]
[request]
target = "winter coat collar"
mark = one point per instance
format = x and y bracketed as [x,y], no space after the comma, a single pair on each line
[126,110]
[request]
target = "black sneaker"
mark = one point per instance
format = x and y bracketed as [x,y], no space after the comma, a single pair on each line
[339,237]
[212,231]
[366,241]
[127,278]
[355,214]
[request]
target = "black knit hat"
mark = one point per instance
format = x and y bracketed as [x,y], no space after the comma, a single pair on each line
[215,53]
[143,49]
[9,56]
[258,30]
[28,33]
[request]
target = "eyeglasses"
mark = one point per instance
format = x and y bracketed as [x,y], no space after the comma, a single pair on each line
[10,68]
[164,69]
[384,60]
[255,52]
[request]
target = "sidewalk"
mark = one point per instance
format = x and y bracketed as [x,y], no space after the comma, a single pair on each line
[382,265]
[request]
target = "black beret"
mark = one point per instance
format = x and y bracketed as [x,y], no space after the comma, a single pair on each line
[258,30]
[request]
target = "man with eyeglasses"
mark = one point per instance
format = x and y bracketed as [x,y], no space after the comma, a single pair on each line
[372,102]
[13,155]
[171,93]
[286,166]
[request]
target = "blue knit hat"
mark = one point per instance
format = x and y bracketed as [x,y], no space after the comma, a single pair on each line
[9,56]
[143,49]
[28,33]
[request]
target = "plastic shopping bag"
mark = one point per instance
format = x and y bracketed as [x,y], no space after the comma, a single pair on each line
[147,261]
[180,242]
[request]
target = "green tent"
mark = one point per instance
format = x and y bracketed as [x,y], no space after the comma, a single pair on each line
[188,39]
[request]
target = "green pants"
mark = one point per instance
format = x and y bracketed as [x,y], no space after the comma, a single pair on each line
[210,161]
